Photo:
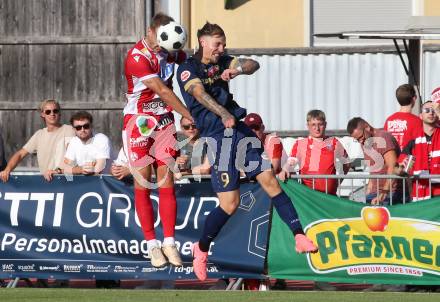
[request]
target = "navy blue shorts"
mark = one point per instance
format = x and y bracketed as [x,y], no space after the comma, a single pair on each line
[235,150]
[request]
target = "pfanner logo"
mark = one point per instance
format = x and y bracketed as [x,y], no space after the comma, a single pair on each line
[376,243]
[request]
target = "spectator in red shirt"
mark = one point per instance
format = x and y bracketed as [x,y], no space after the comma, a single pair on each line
[317,154]
[273,146]
[404,125]
[426,151]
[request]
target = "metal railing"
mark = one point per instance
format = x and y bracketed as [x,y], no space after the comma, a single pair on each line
[352,185]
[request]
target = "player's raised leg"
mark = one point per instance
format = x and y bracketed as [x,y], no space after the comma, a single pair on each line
[213,224]
[286,210]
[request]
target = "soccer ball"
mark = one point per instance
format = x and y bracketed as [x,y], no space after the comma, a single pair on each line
[171,36]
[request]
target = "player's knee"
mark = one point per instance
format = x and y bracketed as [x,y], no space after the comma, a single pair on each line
[269,183]
[230,207]
[267,179]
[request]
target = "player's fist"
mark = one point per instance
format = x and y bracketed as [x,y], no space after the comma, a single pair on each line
[229,122]
[229,74]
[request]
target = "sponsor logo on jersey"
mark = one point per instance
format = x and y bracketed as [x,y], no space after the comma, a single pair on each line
[213,70]
[185,75]
[146,124]
[397,125]
[157,107]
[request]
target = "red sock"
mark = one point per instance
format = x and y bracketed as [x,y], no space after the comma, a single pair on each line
[167,210]
[144,209]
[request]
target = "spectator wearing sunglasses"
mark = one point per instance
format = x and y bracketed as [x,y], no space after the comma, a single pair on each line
[425,148]
[87,153]
[48,143]
[192,158]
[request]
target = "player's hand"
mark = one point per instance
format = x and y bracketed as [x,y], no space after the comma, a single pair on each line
[229,74]
[229,122]
[4,175]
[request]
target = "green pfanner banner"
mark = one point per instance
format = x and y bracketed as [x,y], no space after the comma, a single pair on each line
[358,243]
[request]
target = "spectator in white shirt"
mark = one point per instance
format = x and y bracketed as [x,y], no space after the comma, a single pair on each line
[87,153]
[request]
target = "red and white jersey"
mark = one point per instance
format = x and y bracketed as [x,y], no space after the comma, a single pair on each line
[404,126]
[318,157]
[141,64]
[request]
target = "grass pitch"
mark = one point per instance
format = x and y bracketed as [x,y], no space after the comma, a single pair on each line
[121,295]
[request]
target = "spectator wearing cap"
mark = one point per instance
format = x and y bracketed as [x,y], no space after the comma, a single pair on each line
[273,147]
[48,143]
[404,125]
[87,152]
[317,154]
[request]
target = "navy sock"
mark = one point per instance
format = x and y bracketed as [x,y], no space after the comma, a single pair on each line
[287,212]
[213,224]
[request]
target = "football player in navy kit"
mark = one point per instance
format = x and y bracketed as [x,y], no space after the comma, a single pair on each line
[204,82]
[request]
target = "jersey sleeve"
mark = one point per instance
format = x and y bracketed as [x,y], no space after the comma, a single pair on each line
[140,67]
[186,75]
[229,61]
[274,147]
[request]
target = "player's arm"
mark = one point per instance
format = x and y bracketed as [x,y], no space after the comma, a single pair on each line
[167,95]
[240,66]
[197,90]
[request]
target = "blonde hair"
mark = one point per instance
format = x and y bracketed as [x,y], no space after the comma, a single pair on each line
[46,102]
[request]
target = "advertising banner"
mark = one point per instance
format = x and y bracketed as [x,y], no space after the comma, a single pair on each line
[358,243]
[86,227]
